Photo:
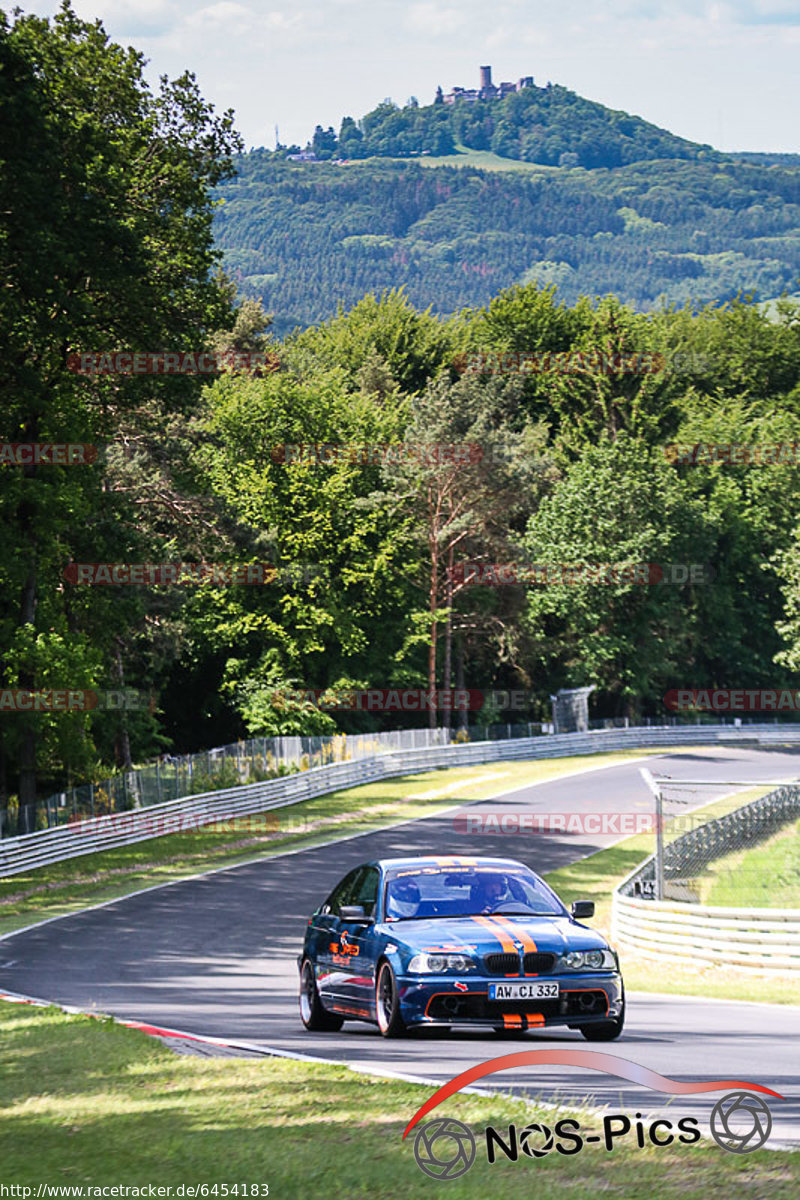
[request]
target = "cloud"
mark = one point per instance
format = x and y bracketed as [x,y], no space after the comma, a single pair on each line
[769,12]
[434,19]
[132,18]
[227,12]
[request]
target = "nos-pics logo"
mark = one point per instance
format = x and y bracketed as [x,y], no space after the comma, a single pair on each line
[446,1148]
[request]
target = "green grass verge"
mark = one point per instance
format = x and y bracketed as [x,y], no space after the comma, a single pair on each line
[766,876]
[69,886]
[595,877]
[86,1102]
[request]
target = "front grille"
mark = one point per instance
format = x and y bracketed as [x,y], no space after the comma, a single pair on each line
[501,964]
[478,1007]
[539,964]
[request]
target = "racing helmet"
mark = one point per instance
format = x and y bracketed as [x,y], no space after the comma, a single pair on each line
[404,897]
[487,890]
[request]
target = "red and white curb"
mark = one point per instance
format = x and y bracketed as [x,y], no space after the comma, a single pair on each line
[162,1032]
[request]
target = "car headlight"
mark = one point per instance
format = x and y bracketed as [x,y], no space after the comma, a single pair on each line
[587,960]
[436,964]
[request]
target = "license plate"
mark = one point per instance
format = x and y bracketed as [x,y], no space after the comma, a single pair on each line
[523,991]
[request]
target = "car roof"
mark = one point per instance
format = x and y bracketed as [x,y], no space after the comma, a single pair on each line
[446,860]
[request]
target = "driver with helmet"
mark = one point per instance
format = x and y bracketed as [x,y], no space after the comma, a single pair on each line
[488,892]
[403,898]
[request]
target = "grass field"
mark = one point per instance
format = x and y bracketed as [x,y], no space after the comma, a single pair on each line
[464,157]
[766,876]
[86,1102]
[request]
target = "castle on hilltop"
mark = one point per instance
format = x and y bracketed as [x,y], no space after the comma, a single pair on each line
[487,90]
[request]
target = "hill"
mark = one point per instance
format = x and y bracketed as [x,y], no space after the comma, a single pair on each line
[549,125]
[305,237]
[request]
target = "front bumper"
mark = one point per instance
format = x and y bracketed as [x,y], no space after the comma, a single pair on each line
[583,999]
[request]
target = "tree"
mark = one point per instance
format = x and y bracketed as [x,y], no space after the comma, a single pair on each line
[350,139]
[466,480]
[106,245]
[788,567]
[633,638]
[310,518]
[323,142]
[413,345]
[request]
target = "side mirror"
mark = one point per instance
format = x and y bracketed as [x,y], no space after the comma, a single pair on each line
[355,912]
[582,909]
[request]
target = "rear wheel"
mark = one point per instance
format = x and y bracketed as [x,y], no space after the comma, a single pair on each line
[312,1014]
[387,1003]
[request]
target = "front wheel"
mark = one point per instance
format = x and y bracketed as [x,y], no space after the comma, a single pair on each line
[312,1014]
[604,1031]
[387,1003]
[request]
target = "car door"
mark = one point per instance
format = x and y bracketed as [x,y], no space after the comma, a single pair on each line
[365,944]
[328,949]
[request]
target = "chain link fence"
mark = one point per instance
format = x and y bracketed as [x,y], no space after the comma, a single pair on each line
[237,764]
[726,853]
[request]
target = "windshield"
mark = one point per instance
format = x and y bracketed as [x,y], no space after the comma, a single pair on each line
[413,893]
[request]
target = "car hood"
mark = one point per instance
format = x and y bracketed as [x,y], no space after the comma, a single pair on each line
[488,935]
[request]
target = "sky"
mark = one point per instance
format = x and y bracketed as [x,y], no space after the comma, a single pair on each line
[722,73]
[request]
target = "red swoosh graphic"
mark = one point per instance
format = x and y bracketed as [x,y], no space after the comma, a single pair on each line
[623,1068]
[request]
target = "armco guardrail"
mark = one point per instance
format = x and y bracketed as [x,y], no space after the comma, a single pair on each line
[101,833]
[755,939]
[759,939]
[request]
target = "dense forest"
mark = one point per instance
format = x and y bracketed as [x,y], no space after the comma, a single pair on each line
[304,238]
[575,465]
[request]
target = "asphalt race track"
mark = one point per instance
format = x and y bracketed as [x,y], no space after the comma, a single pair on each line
[216,955]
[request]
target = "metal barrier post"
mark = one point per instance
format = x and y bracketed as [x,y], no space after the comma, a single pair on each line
[659,858]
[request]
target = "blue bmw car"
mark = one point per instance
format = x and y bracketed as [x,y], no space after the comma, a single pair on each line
[443,941]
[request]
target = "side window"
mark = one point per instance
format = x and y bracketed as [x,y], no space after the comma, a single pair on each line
[343,893]
[366,891]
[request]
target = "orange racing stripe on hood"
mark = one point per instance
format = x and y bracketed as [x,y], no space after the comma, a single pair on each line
[499,931]
[520,934]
